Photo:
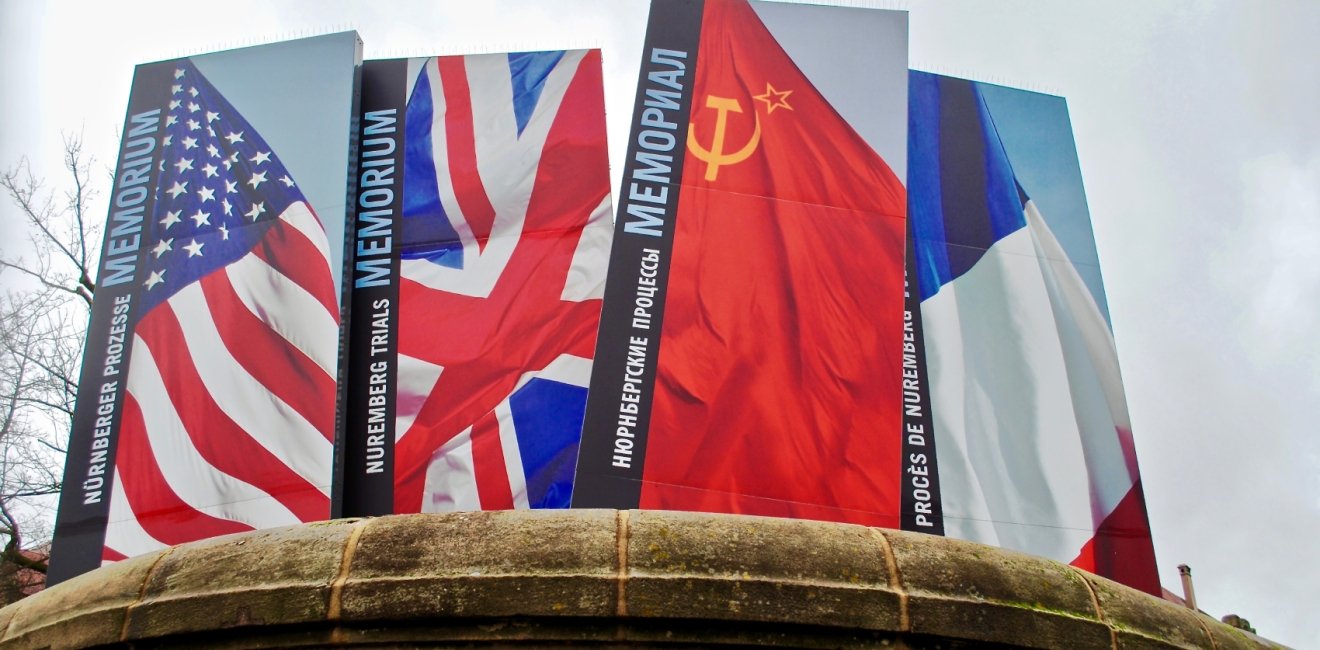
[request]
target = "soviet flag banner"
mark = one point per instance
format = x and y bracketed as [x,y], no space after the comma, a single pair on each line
[482,236]
[749,354]
[208,397]
[1018,392]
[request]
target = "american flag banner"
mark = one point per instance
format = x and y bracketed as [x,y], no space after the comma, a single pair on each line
[228,424]
[504,235]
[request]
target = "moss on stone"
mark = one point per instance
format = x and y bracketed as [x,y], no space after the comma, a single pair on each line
[577,576]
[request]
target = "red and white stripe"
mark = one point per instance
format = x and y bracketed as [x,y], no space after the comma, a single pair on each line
[228,424]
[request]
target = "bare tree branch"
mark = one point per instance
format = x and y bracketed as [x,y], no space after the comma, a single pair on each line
[43,322]
[35,492]
[13,552]
[63,239]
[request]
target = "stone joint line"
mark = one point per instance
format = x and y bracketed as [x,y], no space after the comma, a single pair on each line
[1214,645]
[335,608]
[895,580]
[1095,604]
[621,536]
[142,592]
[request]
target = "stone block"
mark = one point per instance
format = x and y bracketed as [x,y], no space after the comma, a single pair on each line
[700,566]
[266,578]
[524,563]
[84,611]
[963,590]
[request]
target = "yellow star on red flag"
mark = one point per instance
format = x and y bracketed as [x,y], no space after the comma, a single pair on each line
[774,98]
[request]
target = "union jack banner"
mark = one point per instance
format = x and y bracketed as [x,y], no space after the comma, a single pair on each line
[504,236]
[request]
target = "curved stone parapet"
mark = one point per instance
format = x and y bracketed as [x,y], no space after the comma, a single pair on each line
[597,577]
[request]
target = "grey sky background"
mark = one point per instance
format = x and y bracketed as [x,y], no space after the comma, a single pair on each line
[1197,132]
[871,44]
[1037,136]
[272,86]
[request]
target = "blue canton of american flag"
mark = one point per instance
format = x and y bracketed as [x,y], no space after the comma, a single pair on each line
[221,188]
[228,424]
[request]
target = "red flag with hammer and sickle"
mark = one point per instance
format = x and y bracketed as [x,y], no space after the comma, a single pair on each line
[777,387]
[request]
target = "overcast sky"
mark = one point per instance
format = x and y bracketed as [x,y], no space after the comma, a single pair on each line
[1199,136]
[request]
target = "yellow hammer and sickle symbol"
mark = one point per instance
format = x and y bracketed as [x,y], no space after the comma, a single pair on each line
[715,156]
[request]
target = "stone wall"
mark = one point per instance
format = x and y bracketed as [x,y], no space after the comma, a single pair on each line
[597,577]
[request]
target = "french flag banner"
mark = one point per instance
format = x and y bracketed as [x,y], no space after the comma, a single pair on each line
[483,233]
[210,383]
[1015,388]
